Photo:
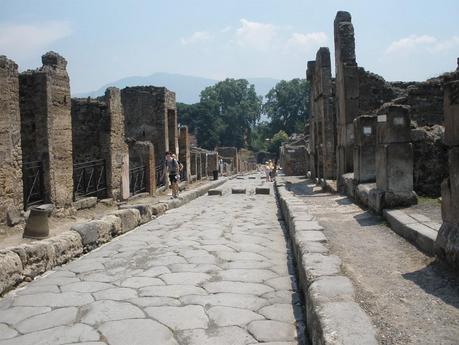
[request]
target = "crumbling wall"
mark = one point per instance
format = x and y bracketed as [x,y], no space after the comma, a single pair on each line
[294,160]
[90,123]
[46,129]
[146,116]
[11,200]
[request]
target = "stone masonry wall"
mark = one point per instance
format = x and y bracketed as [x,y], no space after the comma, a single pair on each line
[46,129]
[10,143]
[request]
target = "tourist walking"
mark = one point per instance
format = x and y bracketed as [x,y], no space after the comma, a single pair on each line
[172,169]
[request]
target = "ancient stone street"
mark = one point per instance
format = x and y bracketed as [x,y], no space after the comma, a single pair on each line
[215,271]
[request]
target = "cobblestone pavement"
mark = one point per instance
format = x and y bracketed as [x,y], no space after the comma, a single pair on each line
[215,271]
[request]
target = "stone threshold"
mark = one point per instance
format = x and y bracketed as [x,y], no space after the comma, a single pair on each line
[24,262]
[332,314]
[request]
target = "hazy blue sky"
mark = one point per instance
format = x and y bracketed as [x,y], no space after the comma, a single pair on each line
[105,40]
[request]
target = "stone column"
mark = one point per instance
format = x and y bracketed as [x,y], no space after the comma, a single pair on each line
[46,129]
[312,127]
[212,163]
[173,131]
[203,165]
[447,242]
[115,147]
[365,149]
[198,166]
[347,91]
[184,151]
[394,158]
[193,164]
[11,198]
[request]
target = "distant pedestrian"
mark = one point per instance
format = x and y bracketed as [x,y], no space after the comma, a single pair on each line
[267,168]
[172,169]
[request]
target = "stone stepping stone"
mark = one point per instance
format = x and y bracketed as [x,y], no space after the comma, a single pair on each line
[252,177]
[215,192]
[262,190]
[238,190]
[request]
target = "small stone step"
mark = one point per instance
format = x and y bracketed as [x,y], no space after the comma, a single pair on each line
[215,192]
[262,190]
[252,177]
[237,190]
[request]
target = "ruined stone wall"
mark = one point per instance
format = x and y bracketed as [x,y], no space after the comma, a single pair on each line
[294,160]
[90,123]
[347,90]
[11,199]
[184,151]
[146,115]
[46,129]
[230,152]
[212,163]
[374,91]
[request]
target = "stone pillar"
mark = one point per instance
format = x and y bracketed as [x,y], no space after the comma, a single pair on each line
[447,242]
[347,91]
[198,166]
[193,164]
[173,131]
[365,149]
[203,165]
[312,127]
[115,147]
[142,153]
[394,157]
[11,198]
[212,163]
[46,129]
[184,151]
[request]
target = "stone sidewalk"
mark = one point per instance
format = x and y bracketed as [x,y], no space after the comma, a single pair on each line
[215,271]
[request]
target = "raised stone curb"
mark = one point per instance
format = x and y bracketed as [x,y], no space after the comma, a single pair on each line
[421,235]
[29,260]
[332,315]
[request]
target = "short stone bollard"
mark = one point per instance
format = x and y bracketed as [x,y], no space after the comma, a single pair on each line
[211,192]
[37,224]
[262,190]
[238,190]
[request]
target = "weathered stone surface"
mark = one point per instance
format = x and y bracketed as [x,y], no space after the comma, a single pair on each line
[171,291]
[93,233]
[65,299]
[17,314]
[215,192]
[6,332]
[180,318]
[11,270]
[185,278]
[84,203]
[268,330]
[115,294]
[285,312]
[238,190]
[67,246]
[58,317]
[137,331]
[262,190]
[237,287]
[130,219]
[36,257]
[144,209]
[235,300]
[221,336]
[229,316]
[103,311]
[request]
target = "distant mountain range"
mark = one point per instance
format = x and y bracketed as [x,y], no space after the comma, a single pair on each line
[187,88]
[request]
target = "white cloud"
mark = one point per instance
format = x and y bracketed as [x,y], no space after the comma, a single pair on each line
[196,37]
[255,35]
[426,43]
[22,41]
[307,42]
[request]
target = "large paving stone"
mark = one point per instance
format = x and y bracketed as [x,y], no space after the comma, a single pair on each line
[57,317]
[237,287]
[144,302]
[171,291]
[115,294]
[138,332]
[268,330]
[229,316]
[102,311]
[86,287]
[65,299]
[140,282]
[15,315]
[222,336]
[285,312]
[246,275]
[180,318]
[235,300]
[7,332]
[55,336]
[185,278]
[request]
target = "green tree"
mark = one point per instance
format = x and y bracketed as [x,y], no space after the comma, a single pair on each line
[287,106]
[235,107]
[276,141]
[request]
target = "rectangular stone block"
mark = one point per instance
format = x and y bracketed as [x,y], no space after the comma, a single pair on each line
[238,190]
[394,167]
[393,124]
[215,192]
[262,190]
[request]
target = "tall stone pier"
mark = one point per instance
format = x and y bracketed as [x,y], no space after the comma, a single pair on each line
[347,91]
[447,242]
[11,201]
[184,152]
[46,128]
[394,159]
[365,149]
[312,122]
